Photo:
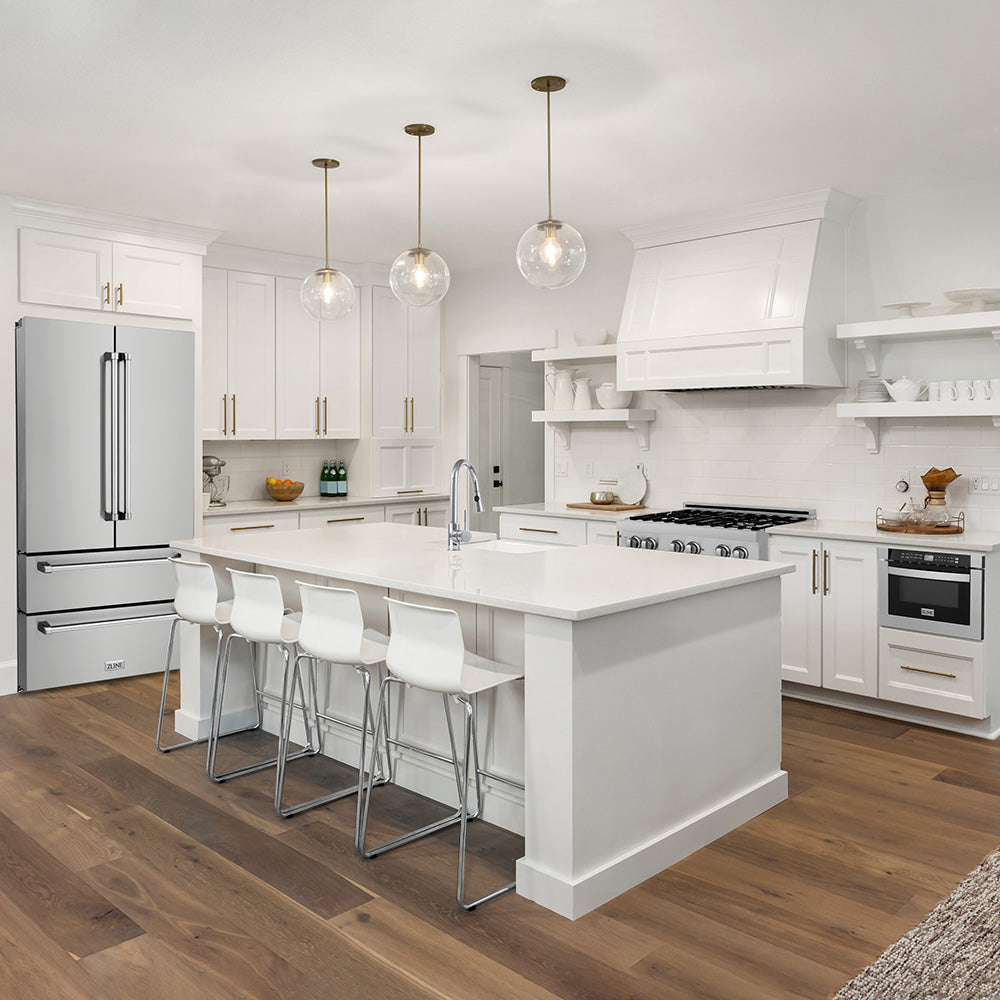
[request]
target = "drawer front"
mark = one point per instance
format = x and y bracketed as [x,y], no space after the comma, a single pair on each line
[285,520]
[539,528]
[341,518]
[932,671]
[94,580]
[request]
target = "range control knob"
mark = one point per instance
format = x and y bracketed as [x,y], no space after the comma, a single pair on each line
[650,543]
[723,550]
[740,552]
[677,545]
[694,548]
[634,542]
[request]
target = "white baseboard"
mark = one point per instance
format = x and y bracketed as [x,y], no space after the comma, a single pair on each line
[8,677]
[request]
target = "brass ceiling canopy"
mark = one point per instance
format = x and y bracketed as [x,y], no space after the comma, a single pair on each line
[326,162]
[548,84]
[420,130]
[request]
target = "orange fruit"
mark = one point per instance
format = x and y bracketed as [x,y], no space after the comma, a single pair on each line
[287,482]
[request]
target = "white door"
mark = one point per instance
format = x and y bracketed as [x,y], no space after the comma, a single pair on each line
[491,455]
[153,282]
[801,609]
[214,354]
[297,392]
[340,376]
[64,270]
[850,618]
[251,355]
[424,370]
[390,380]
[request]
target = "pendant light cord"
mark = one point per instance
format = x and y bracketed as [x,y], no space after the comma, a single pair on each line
[420,143]
[326,213]
[548,141]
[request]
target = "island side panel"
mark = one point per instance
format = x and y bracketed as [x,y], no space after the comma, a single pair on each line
[648,734]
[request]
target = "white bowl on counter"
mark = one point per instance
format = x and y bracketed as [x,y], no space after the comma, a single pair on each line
[611,398]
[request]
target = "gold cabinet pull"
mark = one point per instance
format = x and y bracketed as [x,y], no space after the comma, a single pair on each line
[107,293]
[815,561]
[411,414]
[234,414]
[921,670]
[826,573]
[317,416]
[338,520]
[324,415]
[225,415]
[541,531]
[404,415]
[251,527]
[400,493]
[121,294]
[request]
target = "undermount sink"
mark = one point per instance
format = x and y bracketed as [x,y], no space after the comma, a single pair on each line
[504,545]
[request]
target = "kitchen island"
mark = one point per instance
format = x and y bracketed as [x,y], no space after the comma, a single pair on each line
[651,698]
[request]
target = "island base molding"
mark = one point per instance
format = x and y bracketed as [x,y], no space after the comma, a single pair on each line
[576,898]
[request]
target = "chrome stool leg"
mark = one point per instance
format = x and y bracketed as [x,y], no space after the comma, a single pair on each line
[163,695]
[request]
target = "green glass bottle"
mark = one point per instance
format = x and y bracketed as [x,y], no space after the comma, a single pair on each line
[324,480]
[342,480]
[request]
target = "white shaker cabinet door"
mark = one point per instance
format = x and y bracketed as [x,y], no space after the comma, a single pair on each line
[297,378]
[340,376]
[801,609]
[214,354]
[153,282]
[251,355]
[62,269]
[424,370]
[390,379]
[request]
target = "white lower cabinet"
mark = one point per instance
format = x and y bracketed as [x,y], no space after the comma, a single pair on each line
[265,521]
[602,532]
[543,528]
[431,514]
[829,613]
[932,671]
[341,518]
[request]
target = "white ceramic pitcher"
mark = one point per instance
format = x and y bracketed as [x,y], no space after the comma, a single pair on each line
[561,384]
[581,394]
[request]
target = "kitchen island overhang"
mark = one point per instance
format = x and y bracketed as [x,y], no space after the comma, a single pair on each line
[651,691]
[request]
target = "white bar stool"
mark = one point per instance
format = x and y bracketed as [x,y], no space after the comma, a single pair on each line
[196,600]
[426,650]
[258,615]
[332,629]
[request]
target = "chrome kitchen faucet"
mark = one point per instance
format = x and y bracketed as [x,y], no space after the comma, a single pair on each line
[457,535]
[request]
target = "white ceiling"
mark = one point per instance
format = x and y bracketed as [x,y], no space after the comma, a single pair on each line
[208,112]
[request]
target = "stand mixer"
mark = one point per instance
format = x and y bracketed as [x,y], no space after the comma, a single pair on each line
[213,480]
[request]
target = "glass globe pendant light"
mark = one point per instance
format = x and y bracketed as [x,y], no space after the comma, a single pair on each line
[551,254]
[419,277]
[327,293]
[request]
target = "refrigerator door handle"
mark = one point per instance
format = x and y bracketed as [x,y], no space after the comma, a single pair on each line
[47,567]
[47,628]
[125,441]
[109,456]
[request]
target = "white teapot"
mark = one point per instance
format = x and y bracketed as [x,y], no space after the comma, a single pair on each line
[905,390]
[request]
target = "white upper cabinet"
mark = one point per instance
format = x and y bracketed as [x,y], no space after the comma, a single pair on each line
[406,367]
[317,370]
[237,355]
[84,272]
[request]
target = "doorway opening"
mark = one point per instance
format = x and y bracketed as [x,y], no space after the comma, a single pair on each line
[507,447]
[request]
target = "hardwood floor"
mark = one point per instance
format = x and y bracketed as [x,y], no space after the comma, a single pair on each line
[125,873]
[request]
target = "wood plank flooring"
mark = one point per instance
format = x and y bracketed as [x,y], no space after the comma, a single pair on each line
[125,873]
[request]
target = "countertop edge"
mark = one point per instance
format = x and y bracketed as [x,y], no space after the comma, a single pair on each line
[313,503]
[862,531]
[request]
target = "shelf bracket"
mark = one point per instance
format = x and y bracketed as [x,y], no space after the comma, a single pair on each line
[641,432]
[871,365]
[872,428]
[562,432]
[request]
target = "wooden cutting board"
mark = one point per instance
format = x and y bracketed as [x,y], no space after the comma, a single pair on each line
[607,506]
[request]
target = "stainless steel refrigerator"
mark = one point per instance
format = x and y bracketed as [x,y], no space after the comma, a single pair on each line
[105,479]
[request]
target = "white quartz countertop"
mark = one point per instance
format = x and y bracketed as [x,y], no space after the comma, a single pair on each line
[570,582]
[314,503]
[558,508]
[864,531]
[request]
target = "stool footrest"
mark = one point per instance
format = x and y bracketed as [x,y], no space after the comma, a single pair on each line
[238,772]
[408,838]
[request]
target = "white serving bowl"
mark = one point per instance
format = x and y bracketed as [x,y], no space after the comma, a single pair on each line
[590,338]
[611,398]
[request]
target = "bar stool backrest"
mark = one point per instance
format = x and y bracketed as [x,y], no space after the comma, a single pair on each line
[332,624]
[258,607]
[197,594]
[426,647]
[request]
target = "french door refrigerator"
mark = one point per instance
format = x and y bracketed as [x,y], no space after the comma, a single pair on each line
[105,479]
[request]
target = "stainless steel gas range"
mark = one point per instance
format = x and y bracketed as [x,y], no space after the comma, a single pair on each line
[709,529]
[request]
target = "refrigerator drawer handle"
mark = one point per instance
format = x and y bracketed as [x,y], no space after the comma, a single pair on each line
[47,567]
[46,628]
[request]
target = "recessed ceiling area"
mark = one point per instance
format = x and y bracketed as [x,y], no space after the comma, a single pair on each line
[210,113]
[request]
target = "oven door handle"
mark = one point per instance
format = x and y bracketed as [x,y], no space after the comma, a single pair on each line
[920,574]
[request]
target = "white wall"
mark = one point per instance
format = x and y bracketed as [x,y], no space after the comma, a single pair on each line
[783,447]
[8,451]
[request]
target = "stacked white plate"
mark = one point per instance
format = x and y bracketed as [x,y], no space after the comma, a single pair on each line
[872,390]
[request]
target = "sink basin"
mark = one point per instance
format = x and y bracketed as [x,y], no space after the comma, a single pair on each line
[505,545]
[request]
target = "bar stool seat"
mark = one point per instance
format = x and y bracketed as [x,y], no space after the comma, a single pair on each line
[196,600]
[258,615]
[332,630]
[427,651]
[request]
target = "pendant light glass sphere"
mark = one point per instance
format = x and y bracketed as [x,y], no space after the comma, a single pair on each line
[419,277]
[551,254]
[327,294]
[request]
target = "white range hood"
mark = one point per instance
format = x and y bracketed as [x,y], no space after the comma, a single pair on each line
[748,298]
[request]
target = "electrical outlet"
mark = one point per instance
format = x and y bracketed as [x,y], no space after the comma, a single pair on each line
[588,470]
[562,467]
[286,468]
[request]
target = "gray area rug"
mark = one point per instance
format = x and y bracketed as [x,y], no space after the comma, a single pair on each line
[954,954]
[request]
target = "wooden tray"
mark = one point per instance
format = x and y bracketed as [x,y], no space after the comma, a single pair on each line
[923,529]
[607,506]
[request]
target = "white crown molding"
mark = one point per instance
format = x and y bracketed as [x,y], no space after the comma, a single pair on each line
[827,203]
[289,265]
[111,225]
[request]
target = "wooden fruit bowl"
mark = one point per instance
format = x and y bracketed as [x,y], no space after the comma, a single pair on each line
[284,491]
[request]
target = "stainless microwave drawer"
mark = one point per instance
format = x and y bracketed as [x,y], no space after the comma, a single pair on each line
[94,579]
[83,646]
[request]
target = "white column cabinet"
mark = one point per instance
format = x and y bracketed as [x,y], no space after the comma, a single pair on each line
[317,370]
[237,355]
[829,613]
[406,367]
[404,466]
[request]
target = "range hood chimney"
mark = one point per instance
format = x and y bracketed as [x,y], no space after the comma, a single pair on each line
[748,298]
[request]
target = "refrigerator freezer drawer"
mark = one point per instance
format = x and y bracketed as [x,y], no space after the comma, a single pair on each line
[69,581]
[84,646]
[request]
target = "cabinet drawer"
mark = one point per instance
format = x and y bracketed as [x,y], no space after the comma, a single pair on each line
[285,520]
[554,530]
[345,517]
[932,671]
